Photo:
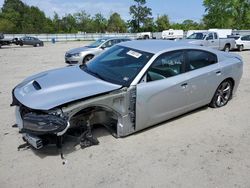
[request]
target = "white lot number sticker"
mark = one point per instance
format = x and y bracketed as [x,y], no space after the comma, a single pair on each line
[134,54]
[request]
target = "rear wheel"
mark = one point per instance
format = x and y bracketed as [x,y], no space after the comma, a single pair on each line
[87,58]
[222,94]
[240,48]
[227,48]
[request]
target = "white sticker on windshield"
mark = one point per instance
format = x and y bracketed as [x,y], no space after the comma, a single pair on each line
[134,54]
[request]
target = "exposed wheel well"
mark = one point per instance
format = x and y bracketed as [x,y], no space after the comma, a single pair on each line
[228,44]
[96,115]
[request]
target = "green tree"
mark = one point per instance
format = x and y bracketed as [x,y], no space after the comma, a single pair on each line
[162,23]
[25,19]
[227,14]
[13,11]
[56,22]
[99,23]
[116,24]
[84,21]
[6,26]
[140,13]
[190,25]
[68,24]
[241,13]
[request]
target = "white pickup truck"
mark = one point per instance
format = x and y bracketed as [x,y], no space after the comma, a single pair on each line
[211,39]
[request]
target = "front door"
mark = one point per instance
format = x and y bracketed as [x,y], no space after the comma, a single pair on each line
[162,91]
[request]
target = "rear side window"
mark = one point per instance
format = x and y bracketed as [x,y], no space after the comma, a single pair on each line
[215,36]
[199,59]
[246,38]
[210,36]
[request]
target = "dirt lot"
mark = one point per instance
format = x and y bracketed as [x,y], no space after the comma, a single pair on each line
[205,148]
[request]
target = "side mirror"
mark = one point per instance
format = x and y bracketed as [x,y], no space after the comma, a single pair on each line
[103,47]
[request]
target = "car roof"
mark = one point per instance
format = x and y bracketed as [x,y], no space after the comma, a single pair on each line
[155,46]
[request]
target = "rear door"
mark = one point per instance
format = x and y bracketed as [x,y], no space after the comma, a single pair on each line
[203,77]
[212,41]
[162,93]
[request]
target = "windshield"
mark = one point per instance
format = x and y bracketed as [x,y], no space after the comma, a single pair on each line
[197,36]
[118,65]
[96,43]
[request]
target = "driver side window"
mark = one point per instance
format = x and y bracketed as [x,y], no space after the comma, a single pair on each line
[210,36]
[108,44]
[166,65]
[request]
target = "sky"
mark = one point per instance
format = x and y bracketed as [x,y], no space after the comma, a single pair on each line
[177,10]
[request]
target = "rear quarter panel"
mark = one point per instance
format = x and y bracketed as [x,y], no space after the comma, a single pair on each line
[232,67]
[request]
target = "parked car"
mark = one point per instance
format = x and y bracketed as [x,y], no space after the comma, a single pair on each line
[211,39]
[242,42]
[83,54]
[131,86]
[30,41]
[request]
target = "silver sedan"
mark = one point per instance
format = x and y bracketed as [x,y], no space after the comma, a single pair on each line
[83,54]
[129,87]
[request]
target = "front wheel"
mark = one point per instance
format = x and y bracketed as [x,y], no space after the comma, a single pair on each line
[87,58]
[222,94]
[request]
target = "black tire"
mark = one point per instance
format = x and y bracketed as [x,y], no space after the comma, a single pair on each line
[41,44]
[21,44]
[227,48]
[240,48]
[87,58]
[222,94]
[146,37]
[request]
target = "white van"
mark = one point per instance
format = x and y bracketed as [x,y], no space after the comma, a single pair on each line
[172,34]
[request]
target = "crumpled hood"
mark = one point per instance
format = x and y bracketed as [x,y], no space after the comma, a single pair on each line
[79,50]
[56,87]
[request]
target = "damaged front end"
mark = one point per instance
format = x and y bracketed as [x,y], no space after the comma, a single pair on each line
[40,128]
[115,111]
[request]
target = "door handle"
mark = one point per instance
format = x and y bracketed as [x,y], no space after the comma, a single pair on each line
[184,85]
[212,41]
[218,73]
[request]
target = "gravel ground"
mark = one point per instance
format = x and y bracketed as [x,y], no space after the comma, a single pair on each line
[205,148]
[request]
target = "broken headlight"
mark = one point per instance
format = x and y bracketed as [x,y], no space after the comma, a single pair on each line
[43,123]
